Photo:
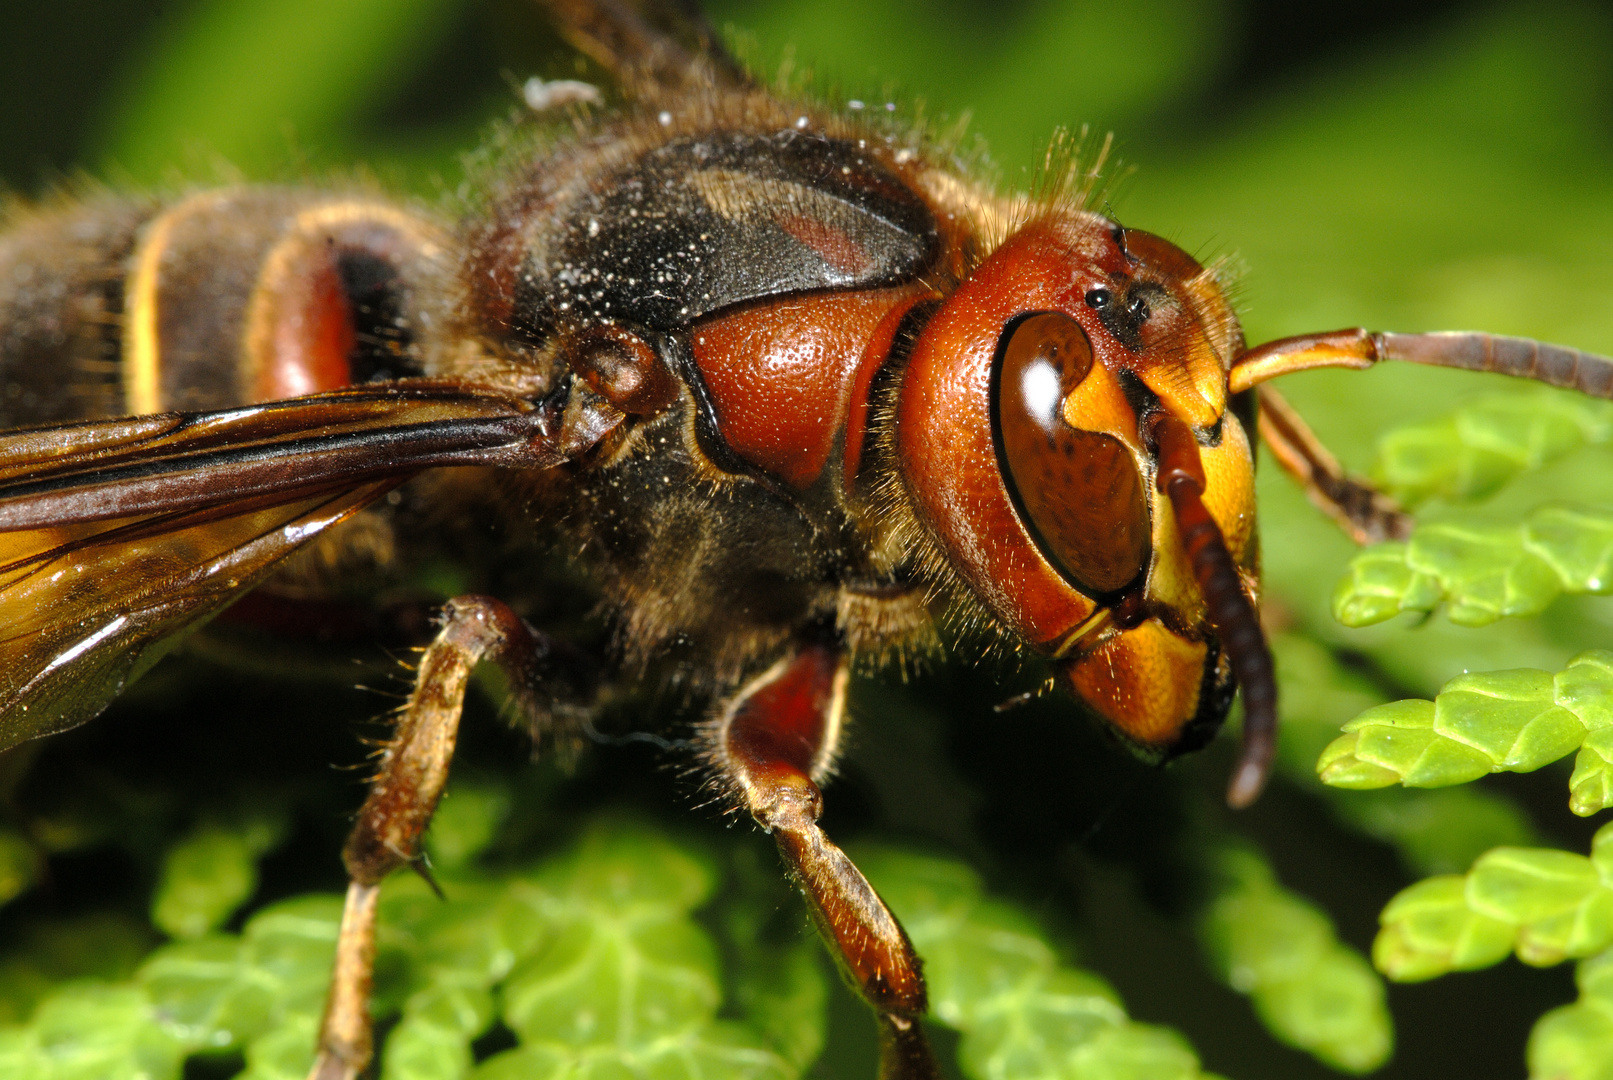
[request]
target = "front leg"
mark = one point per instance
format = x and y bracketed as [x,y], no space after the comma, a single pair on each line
[1365,513]
[403,796]
[771,745]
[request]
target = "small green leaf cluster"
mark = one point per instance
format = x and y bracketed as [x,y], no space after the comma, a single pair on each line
[1541,904]
[261,991]
[1575,1042]
[992,976]
[1478,448]
[591,959]
[1497,721]
[1433,831]
[1311,990]
[1544,904]
[591,962]
[620,981]
[210,873]
[1481,572]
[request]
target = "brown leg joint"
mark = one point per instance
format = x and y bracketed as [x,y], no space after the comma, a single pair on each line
[403,795]
[772,743]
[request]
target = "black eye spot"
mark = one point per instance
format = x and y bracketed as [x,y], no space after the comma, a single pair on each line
[1098,299]
[1125,319]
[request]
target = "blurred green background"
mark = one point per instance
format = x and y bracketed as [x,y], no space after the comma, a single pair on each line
[1396,166]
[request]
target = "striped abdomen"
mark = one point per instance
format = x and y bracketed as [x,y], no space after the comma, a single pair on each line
[117,306]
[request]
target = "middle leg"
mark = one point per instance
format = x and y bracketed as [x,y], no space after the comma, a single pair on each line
[771,745]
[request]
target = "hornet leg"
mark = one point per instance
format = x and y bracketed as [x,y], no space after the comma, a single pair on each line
[403,795]
[1362,511]
[771,744]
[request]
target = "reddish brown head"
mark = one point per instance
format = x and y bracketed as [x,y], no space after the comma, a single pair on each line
[1064,430]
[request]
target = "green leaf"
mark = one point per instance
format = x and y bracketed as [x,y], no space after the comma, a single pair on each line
[1487,443]
[222,992]
[103,945]
[95,1031]
[293,941]
[619,980]
[628,870]
[991,976]
[605,979]
[1428,930]
[418,1049]
[1544,904]
[1135,1052]
[1498,721]
[196,991]
[594,957]
[1398,742]
[1310,990]
[622,964]
[1482,572]
[204,879]
[782,994]
[20,1056]
[286,1052]
[722,1050]
[1575,1042]
[466,821]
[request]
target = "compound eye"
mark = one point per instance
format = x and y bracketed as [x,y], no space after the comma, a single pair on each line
[1079,492]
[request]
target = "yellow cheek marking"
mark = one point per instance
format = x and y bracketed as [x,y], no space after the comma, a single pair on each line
[1230,487]
[142,344]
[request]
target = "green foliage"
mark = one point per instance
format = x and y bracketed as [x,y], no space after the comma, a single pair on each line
[1482,572]
[1575,1042]
[1546,905]
[1498,721]
[1477,449]
[1311,991]
[1433,832]
[1022,1014]
[591,958]
[1542,904]
[209,874]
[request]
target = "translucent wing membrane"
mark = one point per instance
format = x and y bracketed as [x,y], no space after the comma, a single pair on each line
[87,608]
[175,461]
[117,537]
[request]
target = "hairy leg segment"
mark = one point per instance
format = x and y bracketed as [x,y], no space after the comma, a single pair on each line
[403,795]
[771,745]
